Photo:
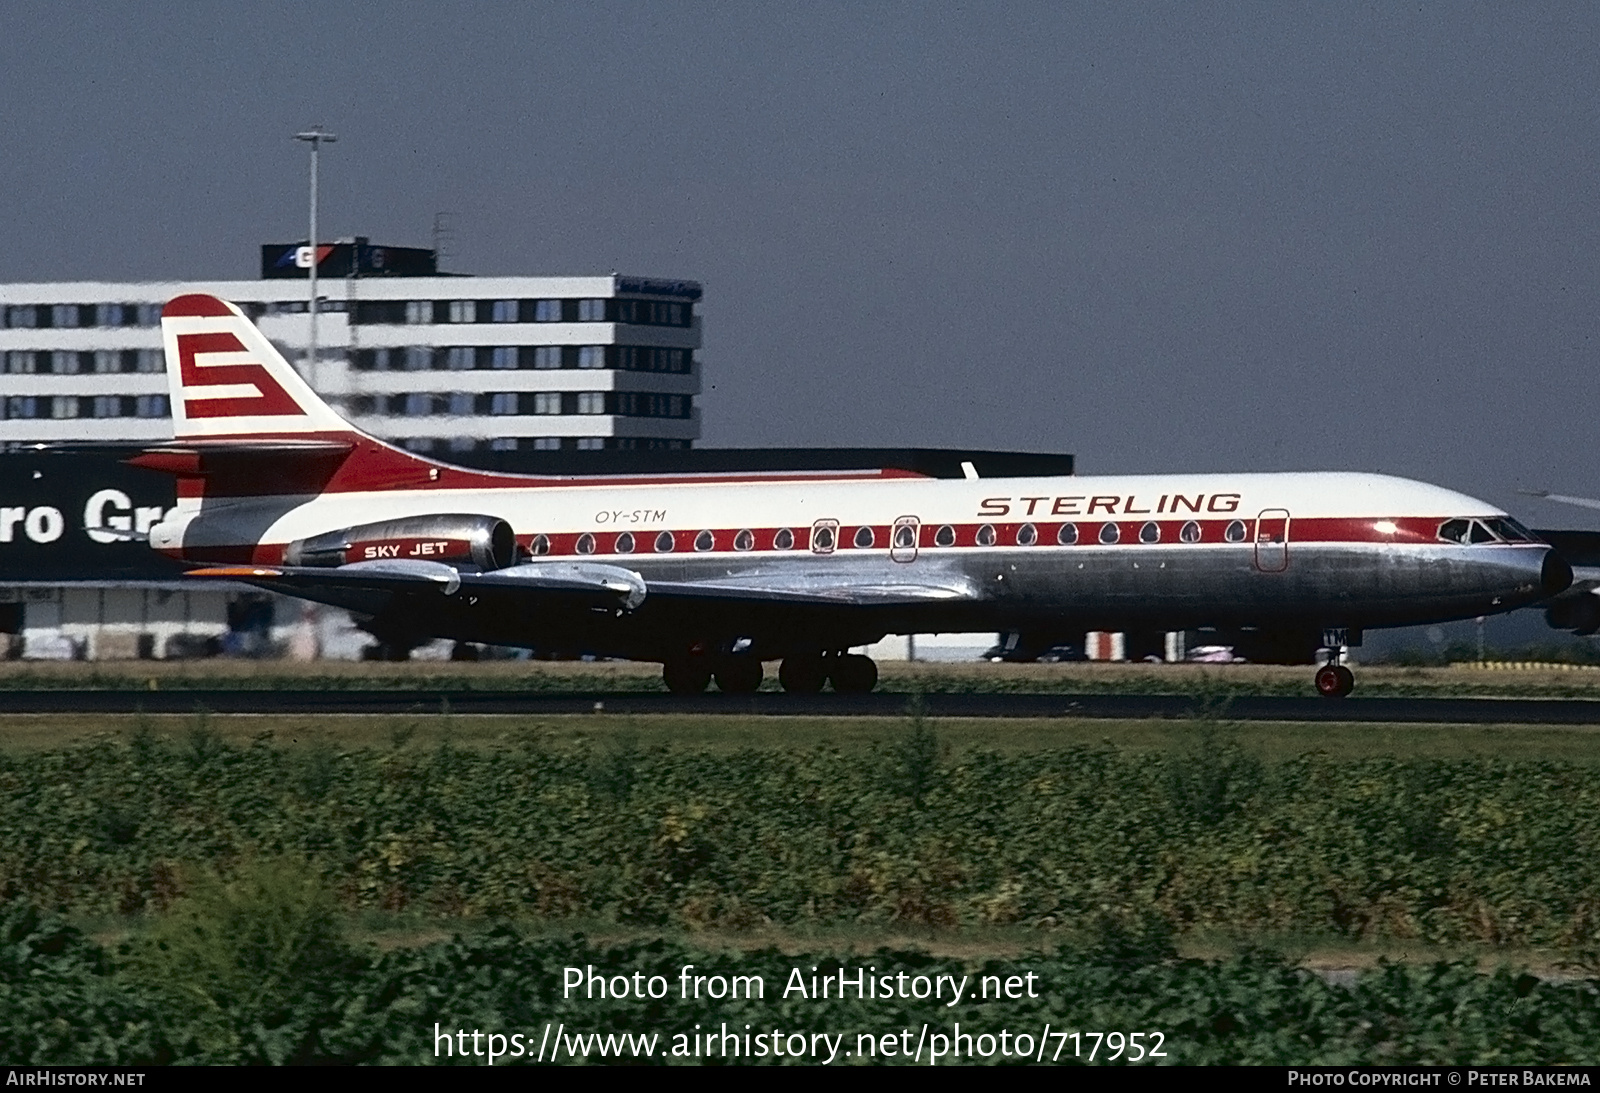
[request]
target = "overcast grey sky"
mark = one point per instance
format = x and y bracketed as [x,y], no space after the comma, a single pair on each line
[1260,237]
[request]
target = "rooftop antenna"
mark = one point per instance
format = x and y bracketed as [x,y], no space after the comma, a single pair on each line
[443,234]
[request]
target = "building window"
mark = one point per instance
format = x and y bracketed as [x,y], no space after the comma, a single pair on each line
[22,317]
[419,312]
[461,403]
[64,364]
[151,361]
[463,444]
[547,311]
[107,361]
[547,357]
[418,404]
[591,356]
[591,311]
[503,444]
[64,406]
[591,443]
[547,443]
[503,357]
[505,402]
[419,358]
[22,406]
[591,402]
[150,406]
[21,362]
[108,406]
[547,402]
[504,311]
[463,311]
[458,358]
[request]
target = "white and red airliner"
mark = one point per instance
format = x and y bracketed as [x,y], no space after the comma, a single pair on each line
[713,574]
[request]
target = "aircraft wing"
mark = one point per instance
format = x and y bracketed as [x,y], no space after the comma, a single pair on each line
[818,590]
[606,586]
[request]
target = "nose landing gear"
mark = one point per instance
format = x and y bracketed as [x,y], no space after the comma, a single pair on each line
[1335,681]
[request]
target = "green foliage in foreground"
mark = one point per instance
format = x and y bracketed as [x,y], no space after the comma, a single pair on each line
[1446,851]
[219,997]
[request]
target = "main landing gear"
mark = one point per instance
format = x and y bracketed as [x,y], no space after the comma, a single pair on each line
[850,673]
[691,675]
[804,673]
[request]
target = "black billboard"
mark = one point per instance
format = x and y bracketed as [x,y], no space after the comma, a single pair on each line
[61,514]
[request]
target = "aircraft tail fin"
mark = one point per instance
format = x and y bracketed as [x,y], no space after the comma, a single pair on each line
[228,381]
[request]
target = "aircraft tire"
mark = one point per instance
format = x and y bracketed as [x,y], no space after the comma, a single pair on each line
[689,676]
[1335,681]
[739,675]
[853,674]
[804,675]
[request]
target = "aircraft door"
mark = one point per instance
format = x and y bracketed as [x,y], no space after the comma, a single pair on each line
[1272,540]
[903,539]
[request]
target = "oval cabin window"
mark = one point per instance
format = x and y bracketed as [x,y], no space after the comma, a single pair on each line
[1067,534]
[864,538]
[986,536]
[945,536]
[1027,535]
[625,543]
[1150,532]
[784,540]
[586,543]
[1110,533]
[1190,532]
[664,543]
[1235,532]
[705,541]
[540,545]
[744,540]
[905,537]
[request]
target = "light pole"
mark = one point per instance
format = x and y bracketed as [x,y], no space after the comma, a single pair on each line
[316,136]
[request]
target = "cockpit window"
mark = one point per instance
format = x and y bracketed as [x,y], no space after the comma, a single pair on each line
[1454,531]
[1480,534]
[1509,530]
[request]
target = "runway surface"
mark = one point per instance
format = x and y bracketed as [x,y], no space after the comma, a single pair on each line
[1463,711]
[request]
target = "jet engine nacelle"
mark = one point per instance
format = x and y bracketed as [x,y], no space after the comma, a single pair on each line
[486,542]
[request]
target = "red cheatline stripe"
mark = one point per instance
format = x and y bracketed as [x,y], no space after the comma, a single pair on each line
[1410,531]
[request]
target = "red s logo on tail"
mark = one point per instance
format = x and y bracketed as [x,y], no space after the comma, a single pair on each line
[270,399]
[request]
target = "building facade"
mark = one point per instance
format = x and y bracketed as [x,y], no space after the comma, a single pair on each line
[437,364]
